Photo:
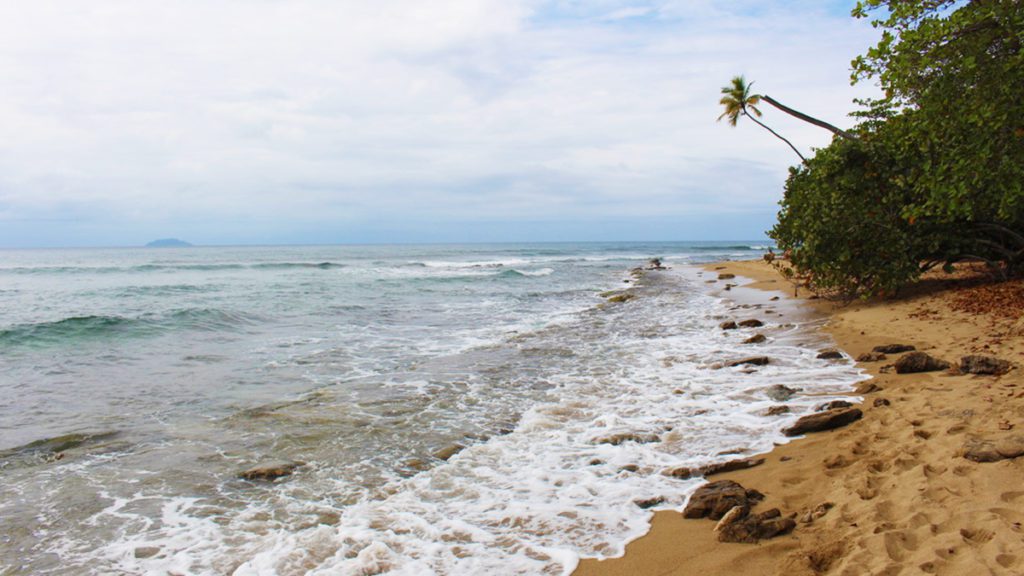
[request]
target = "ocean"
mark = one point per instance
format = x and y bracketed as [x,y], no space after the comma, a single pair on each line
[456,409]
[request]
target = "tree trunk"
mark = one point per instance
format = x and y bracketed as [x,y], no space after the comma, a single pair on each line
[806,118]
[765,126]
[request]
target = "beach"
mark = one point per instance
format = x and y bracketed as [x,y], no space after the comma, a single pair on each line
[893,492]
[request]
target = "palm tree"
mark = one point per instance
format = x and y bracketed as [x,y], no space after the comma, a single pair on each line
[738,101]
[806,118]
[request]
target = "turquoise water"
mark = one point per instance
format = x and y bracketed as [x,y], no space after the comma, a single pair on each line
[136,383]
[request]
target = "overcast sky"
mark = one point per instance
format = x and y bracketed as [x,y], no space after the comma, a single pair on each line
[322,121]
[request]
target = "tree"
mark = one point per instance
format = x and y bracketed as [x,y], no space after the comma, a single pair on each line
[738,101]
[806,118]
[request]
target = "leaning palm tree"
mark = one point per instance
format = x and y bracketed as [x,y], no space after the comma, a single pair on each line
[738,101]
[806,118]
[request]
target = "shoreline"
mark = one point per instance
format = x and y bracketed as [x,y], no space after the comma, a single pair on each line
[900,496]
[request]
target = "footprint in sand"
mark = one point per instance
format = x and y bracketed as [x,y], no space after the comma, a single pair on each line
[1010,496]
[1006,560]
[976,535]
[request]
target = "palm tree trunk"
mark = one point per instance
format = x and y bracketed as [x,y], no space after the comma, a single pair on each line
[763,125]
[806,118]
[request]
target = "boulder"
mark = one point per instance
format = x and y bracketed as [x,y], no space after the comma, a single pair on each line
[728,325]
[756,527]
[833,405]
[824,421]
[893,348]
[714,499]
[448,451]
[978,364]
[982,450]
[756,339]
[780,393]
[646,503]
[751,323]
[726,276]
[270,470]
[915,362]
[776,410]
[752,360]
[829,354]
[867,388]
[686,472]
[871,357]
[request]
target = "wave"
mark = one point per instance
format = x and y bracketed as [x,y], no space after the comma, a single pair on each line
[514,273]
[77,328]
[730,247]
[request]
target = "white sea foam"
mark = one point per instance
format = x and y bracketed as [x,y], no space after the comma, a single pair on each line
[535,500]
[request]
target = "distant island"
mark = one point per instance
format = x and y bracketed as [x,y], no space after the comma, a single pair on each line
[168,243]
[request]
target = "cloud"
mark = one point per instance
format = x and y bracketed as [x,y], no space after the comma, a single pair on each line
[295,114]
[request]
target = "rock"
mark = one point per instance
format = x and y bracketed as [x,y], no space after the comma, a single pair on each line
[871,357]
[893,348]
[824,421]
[833,405]
[728,325]
[726,276]
[752,360]
[830,354]
[867,388]
[919,362]
[978,364]
[655,264]
[774,298]
[879,402]
[736,513]
[270,470]
[448,451]
[980,450]
[817,512]
[715,499]
[752,323]
[757,527]
[649,502]
[780,393]
[629,468]
[776,410]
[685,472]
[622,297]
[622,437]
[756,339]
[143,552]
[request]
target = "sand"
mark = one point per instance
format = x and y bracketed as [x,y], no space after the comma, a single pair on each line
[905,499]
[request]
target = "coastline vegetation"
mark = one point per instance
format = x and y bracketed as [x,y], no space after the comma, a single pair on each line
[933,173]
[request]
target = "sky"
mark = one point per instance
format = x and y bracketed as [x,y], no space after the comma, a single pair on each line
[337,121]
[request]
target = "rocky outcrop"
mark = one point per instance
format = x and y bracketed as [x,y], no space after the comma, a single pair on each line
[624,297]
[448,451]
[751,323]
[728,325]
[752,361]
[714,499]
[756,339]
[915,362]
[978,364]
[753,528]
[780,393]
[646,503]
[686,472]
[830,354]
[893,348]
[824,421]
[993,450]
[776,410]
[871,357]
[270,470]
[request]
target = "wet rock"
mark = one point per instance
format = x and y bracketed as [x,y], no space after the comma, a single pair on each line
[622,437]
[756,527]
[894,348]
[978,364]
[726,276]
[871,357]
[780,393]
[270,470]
[829,354]
[756,339]
[915,362]
[987,450]
[618,298]
[824,421]
[143,552]
[448,451]
[751,323]
[629,468]
[833,405]
[714,499]
[686,472]
[655,264]
[728,325]
[752,360]
[776,410]
[879,402]
[649,502]
[867,388]
[774,298]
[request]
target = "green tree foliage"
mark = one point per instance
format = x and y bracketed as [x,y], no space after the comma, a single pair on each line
[937,173]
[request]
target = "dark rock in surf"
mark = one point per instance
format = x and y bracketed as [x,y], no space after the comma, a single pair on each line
[824,421]
[687,472]
[751,323]
[622,437]
[752,361]
[756,339]
[780,393]
[271,470]
[830,354]
[728,325]
[714,499]
[833,405]
[777,410]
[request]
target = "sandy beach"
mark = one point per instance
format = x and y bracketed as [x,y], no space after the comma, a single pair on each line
[893,492]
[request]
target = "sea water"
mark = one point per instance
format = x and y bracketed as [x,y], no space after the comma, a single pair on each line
[135,385]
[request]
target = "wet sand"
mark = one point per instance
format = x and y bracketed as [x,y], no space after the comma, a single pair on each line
[905,500]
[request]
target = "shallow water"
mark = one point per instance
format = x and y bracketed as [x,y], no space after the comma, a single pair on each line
[136,384]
